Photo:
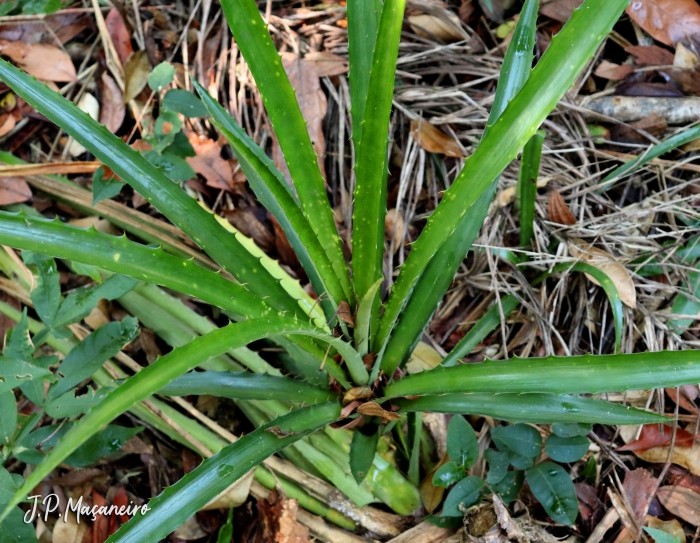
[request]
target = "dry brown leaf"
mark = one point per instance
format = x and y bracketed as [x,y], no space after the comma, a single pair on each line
[606,263]
[69,531]
[326,64]
[431,495]
[431,27]
[668,21]
[639,488]
[119,34]
[344,313]
[89,104]
[507,196]
[672,527]
[373,409]
[45,62]
[424,357]
[14,190]
[687,457]
[113,110]
[208,163]
[650,55]
[434,140]
[651,437]
[136,71]
[99,316]
[7,123]
[558,211]
[244,219]
[685,58]
[560,10]
[357,393]
[682,502]
[234,495]
[313,104]
[190,530]
[393,227]
[614,72]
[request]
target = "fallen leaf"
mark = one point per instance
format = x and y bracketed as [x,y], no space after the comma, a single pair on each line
[313,104]
[120,35]
[467,11]
[78,477]
[234,495]
[394,227]
[682,502]
[357,393]
[685,58]
[606,263]
[686,457]
[14,190]
[326,64]
[89,104]
[45,62]
[244,219]
[639,487]
[431,27]
[208,163]
[100,527]
[424,357]
[615,72]
[560,10]
[431,495]
[373,409]
[558,211]
[507,196]
[54,29]
[344,313]
[650,437]
[650,55]
[7,123]
[113,111]
[672,527]
[69,531]
[136,71]
[653,124]
[434,140]
[190,530]
[99,316]
[668,21]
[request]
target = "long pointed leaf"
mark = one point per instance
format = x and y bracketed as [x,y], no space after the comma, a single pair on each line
[585,374]
[371,168]
[155,377]
[535,408]
[253,39]
[246,386]
[180,501]
[120,255]
[272,190]
[152,184]
[550,79]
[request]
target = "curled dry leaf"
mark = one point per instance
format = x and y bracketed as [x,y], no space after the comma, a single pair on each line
[89,104]
[687,457]
[507,196]
[113,110]
[357,393]
[606,263]
[373,409]
[313,104]
[431,495]
[434,140]
[614,72]
[69,531]
[447,29]
[668,21]
[45,62]
[558,211]
[234,495]
[394,227]
[685,58]
[208,163]
[424,357]
[344,313]
[136,71]
[7,123]
[682,502]
[14,190]
[651,437]
[189,531]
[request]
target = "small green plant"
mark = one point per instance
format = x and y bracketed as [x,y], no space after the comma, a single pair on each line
[350,364]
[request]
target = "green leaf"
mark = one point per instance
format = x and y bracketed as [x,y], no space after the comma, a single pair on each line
[226,531]
[104,189]
[521,462]
[660,536]
[120,255]
[161,76]
[46,295]
[8,421]
[156,376]
[182,210]
[527,185]
[183,499]
[553,488]
[183,101]
[371,168]
[362,449]
[498,465]
[509,487]
[519,438]
[585,374]
[532,407]
[483,327]
[14,373]
[448,474]
[93,351]
[41,7]
[171,165]
[571,429]
[465,493]
[17,342]
[414,423]
[13,529]
[276,195]
[684,304]
[279,98]
[247,386]
[363,319]
[462,445]
[69,405]
[168,125]
[80,302]
[566,449]
[550,79]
